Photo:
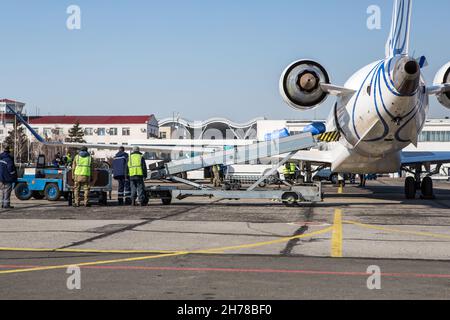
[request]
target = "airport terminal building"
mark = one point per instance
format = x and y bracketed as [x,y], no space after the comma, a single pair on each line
[435,136]
[114,130]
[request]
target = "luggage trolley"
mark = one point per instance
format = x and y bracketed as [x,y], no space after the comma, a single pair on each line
[101,186]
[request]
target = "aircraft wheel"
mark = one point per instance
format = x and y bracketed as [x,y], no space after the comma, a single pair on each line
[410,188]
[166,198]
[427,188]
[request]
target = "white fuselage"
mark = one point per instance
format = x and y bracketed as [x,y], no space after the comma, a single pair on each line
[377,122]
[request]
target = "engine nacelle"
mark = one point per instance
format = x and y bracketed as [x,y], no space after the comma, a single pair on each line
[300,85]
[443,76]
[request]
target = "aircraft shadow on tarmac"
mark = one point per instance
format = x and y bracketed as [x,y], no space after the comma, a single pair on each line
[391,193]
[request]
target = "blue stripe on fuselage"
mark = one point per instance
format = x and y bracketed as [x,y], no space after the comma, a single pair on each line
[385,125]
[357,97]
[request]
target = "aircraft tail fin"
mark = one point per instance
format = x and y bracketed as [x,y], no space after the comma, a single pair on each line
[398,42]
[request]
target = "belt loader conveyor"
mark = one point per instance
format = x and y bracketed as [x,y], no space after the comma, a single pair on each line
[291,195]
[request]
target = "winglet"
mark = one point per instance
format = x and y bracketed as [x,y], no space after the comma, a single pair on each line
[423,62]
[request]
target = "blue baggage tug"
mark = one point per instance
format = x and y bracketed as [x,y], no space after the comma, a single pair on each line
[41,183]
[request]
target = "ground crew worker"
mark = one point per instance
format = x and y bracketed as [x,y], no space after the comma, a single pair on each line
[137,171]
[290,171]
[120,171]
[292,168]
[286,171]
[57,160]
[363,180]
[216,176]
[8,177]
[211,174]
[82,173]
[293,171]
[67,160]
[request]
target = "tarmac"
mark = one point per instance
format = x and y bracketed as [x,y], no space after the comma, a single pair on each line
[204,249]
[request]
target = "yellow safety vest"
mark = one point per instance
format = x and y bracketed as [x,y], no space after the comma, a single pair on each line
[135,165]
[293,168]
[83,167]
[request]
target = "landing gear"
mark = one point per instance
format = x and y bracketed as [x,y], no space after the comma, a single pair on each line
[427,188]
[416,183]
[410,188]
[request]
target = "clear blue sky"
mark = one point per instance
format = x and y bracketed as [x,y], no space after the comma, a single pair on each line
[201,58]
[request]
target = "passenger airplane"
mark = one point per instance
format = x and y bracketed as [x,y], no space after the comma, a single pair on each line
[381,110]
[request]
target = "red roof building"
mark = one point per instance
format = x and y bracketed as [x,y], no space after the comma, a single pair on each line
[9,101]
[99,129]
[91,120]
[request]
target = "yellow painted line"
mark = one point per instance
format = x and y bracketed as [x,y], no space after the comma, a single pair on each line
[180,253]
[391,230]
[267,243]
[336,239]
[96,263]
[341,189]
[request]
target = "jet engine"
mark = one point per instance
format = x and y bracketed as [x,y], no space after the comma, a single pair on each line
[300,85]
[443,76]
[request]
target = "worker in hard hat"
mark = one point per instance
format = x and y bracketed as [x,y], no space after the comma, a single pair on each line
[137,171]
[82,172]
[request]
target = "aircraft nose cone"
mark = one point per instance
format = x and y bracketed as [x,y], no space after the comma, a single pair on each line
[407,76]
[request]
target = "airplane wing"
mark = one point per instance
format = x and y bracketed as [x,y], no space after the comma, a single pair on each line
[315,157]
[336,90]
[144,148]
[440,89]
[412,158]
